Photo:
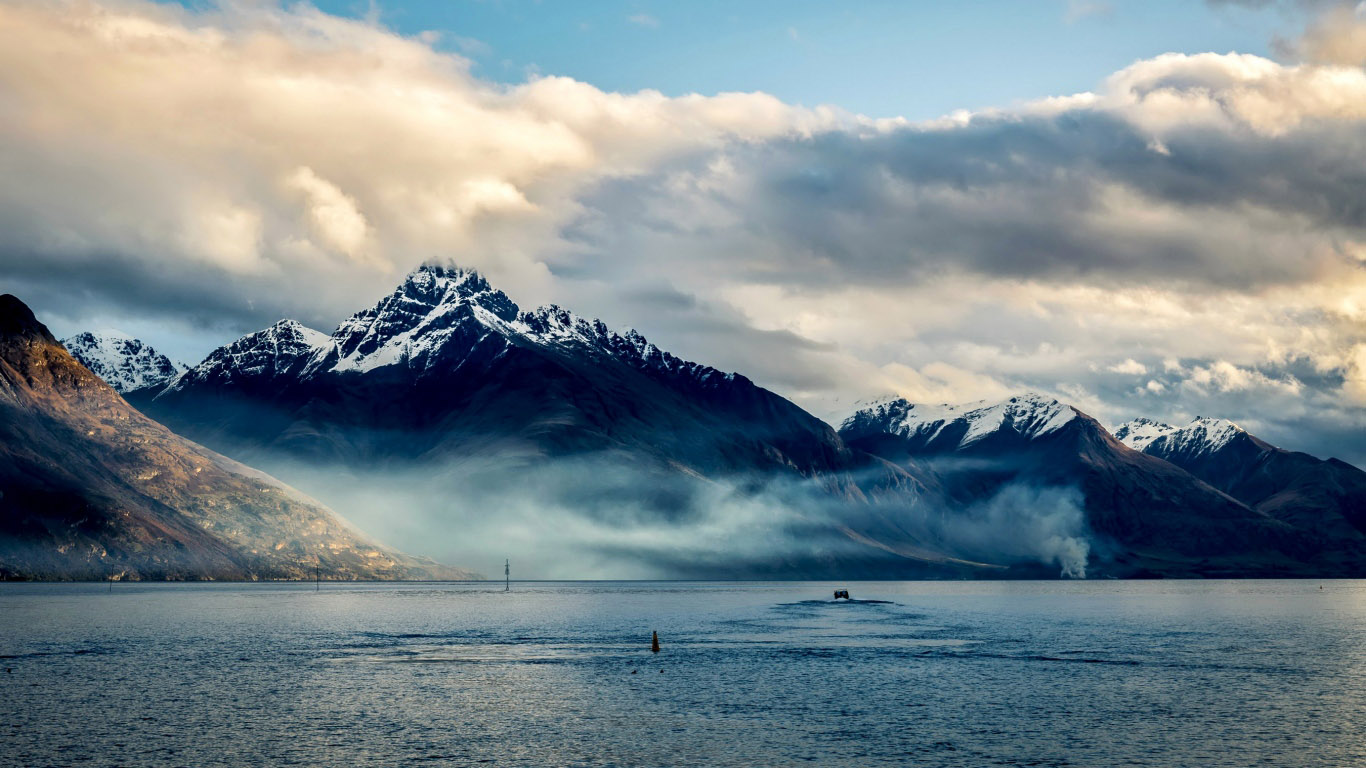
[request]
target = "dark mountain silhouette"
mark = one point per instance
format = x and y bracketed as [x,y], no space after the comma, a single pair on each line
[1149,516]
[447,400]
[1324,497]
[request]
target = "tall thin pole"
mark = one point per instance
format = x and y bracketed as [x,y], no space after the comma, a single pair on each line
[507,575]
[317,578]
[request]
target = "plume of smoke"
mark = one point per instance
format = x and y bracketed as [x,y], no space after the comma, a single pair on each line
[1022,522]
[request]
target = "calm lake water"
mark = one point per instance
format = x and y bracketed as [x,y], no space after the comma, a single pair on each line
[941,674]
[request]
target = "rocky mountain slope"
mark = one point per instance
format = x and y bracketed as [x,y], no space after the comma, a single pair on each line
[446,364]
[1145,514]
[125,363]
[448,396]
[447,410]
[1326,497]
[90,488]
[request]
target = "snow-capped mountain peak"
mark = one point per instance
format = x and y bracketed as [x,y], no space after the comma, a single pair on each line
[124,362]
[439,313]
[430,324]
[1137,434]
[431,303]
[265,353]
[1202,435]
[1029,415]
[553,325]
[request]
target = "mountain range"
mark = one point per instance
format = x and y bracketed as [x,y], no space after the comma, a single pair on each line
[92,489]
[447,365]
[448,396]
[1327,498]
[455,422]
[1154,511]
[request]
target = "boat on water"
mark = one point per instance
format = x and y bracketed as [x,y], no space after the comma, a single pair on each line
[842,593]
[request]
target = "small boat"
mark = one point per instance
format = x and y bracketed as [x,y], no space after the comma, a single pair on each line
[844,593]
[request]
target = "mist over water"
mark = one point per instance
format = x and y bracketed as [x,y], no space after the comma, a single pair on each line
[950,674]
[604,516]
[590,517]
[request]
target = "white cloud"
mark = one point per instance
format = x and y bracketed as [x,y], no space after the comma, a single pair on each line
[1337,37]
[256,141]
[1354,383]
[1129,366]
[1194,221]
[1223,376]
[331,213]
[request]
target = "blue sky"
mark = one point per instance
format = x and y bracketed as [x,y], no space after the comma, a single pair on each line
[913,59]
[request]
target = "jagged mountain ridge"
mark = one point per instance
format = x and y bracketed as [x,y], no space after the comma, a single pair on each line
[944,428]
[1204,435]
[441,337]
[125,363]
[447,384]
[1158,517]
[90,488]
[1138,433]
[1328,497]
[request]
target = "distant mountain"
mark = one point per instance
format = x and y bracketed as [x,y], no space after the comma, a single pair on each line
[1327,497]
[90,488]
[979,427]
[446,411]
[446,395]
[1138,433]
[1146,514]
[125,363]
[446,364]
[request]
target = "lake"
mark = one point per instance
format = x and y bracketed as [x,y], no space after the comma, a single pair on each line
[1140,673]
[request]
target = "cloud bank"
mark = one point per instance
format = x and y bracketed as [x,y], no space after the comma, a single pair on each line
[1187,238]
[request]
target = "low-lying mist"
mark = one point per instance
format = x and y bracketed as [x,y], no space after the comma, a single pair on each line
[612,516]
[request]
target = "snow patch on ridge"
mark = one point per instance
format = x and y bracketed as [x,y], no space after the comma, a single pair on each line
[436,303]
[432,320]
[1137,434]
[267,352]
[1030,415]
[1212,433]
[431,305]
[124,362]
[1204,435]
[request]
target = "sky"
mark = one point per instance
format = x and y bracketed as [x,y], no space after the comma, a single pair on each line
[1141,208]
[884,58]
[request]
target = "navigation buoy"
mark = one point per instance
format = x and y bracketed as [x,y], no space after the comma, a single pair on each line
[654,644]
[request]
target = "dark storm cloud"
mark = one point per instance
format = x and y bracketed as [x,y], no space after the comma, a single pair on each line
[716,334]
[1032,198]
